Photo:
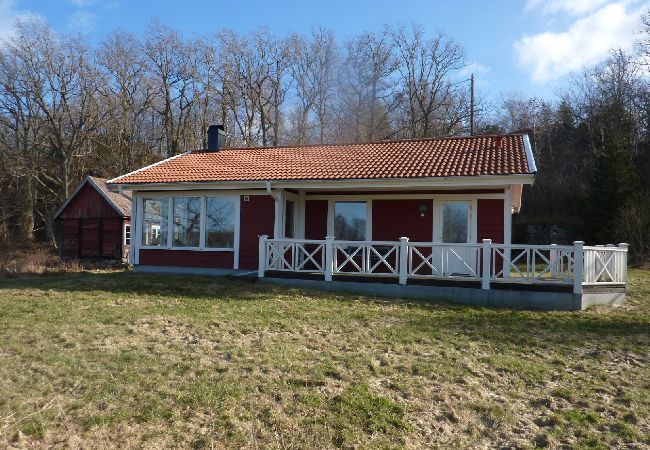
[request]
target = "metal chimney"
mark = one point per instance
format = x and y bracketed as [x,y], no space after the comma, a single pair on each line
[216,138]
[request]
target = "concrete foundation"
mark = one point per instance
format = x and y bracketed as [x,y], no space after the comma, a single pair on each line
[521,299]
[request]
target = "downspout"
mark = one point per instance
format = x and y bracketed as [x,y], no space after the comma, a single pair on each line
[277,222]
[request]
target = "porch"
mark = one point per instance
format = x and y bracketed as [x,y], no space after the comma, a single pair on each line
[533,276]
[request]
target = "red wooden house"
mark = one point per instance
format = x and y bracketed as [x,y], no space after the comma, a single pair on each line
[426,210]
[95,223]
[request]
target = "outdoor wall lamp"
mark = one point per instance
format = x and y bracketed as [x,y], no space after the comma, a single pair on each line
[423,210]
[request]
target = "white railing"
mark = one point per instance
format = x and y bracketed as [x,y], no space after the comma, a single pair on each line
[428,259]
[575,265]
[605,265]
[549,263]
[293,255]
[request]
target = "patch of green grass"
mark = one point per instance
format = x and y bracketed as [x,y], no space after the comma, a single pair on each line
[117,358]
[358,409]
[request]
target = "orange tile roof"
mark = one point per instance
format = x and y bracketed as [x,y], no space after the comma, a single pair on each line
[447,157]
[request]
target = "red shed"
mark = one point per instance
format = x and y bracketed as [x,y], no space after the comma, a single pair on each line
[94,223]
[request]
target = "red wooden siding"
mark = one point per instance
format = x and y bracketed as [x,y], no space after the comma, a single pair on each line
[187,258]
[490,223]
[69,238]
[392,219]
[257,217]
[315,219]
[88,203]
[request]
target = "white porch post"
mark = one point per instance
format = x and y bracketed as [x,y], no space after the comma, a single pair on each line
[554,261]
[261,263]
[329,257]
[403,259]
[487,254]
[623,263]
[578,266]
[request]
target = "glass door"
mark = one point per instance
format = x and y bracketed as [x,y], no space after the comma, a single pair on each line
[456,226]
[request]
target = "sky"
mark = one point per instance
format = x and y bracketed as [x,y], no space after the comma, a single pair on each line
[529,46]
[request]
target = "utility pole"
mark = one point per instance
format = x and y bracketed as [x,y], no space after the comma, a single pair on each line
[471,107]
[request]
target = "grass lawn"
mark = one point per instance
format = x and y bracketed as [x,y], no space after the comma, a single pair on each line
[126,360]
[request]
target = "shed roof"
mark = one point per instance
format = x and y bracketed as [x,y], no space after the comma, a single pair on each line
[119,201]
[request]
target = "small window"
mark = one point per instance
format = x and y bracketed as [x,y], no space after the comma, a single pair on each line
[350,221]
[154,224]
[220,222]
[289,214]
[127,234]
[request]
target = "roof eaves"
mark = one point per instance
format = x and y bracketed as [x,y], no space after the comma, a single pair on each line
[116,179]
[532,167]
[107,197]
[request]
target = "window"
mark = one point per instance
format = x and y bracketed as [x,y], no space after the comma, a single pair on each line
[350,221]
[187,221]
[289,213]
[455,222]
[154,223]
[220,222]
[127,234]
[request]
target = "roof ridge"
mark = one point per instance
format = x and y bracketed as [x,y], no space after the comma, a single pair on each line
[339,144]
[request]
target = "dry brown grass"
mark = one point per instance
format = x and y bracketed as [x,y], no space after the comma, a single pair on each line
[36,259]
[126,360]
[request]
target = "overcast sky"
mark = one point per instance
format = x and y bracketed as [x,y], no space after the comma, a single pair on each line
[524,46]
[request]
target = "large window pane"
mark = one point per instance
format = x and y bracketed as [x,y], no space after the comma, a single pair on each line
[455,222]
[350,221]
[154,223]
[220,223]
[187,221]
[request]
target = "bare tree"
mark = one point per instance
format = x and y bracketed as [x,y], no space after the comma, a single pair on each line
[368,86]
[172,66]
[432,104]
[127,94]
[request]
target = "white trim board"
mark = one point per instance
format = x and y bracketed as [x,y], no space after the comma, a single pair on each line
[532,167]
[476,182]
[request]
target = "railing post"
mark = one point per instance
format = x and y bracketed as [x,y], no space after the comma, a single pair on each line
[623,266]
[554,261]
[261,263]
[578,266]
[403,259]
[329,257]
[487,256]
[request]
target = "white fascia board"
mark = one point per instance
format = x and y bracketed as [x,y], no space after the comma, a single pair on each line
[113,183]
[401,183]
[532,167]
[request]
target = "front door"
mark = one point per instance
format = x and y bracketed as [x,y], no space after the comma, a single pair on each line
[456,229]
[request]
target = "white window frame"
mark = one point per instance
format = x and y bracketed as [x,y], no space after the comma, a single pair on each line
[204,207]
[141,221]
[170,230]
[331,207]
[124,233]
[172,207]
[471,216]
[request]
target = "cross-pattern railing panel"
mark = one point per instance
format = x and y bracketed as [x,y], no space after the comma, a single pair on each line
[428,259]
[366,257]
[550,263]
[605,265]
[295,255]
